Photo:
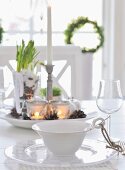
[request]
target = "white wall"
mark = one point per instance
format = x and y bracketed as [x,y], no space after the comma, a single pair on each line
[119,42]
[114,49]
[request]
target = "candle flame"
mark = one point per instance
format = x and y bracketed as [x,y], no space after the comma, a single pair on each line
[61,115]
[63,111]
[37,116]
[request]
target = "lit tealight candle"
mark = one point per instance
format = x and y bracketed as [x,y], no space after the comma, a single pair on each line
[63,111]
[35,109]
[37,116]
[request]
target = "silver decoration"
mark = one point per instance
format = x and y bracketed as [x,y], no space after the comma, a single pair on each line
[49,69]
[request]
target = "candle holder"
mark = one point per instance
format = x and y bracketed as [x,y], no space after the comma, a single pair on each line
[49,69]
[58,110]
[63,108]
[35,109]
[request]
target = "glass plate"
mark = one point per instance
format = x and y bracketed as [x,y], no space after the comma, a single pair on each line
[35,153]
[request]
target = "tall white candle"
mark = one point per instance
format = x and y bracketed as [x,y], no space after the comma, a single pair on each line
[49,36]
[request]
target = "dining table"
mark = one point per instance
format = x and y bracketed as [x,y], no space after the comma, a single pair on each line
[11,135]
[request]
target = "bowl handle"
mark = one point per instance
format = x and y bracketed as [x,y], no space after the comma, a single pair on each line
[98,122]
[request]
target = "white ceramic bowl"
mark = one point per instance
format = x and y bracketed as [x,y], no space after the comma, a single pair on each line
[62,138]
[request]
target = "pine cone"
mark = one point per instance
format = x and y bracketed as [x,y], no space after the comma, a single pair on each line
[77,114]
[14,113]
[51,116]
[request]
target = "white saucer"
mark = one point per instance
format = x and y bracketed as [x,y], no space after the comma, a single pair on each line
[28,123]
[35,153]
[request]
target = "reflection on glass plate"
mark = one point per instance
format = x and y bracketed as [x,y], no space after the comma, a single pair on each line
[35,153]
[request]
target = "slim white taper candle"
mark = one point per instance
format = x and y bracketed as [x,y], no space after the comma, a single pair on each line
[49,36]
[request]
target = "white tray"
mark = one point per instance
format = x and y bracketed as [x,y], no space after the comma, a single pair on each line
[9,104]
[28,123]
[36,154]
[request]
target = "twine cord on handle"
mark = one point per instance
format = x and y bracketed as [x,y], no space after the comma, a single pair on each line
[111,144]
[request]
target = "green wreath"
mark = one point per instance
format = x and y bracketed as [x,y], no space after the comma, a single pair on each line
[77,24]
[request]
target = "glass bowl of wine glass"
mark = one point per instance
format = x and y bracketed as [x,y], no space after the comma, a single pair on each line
[109,99]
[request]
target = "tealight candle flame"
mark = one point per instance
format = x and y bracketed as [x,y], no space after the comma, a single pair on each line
[61,115]
[63,111]
[37,116]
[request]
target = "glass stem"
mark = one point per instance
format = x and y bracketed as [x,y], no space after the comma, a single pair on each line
[109,125]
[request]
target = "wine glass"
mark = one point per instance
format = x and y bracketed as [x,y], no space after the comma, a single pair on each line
[109,99]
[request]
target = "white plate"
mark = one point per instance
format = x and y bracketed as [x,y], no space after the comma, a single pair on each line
[35,153]
[28,123]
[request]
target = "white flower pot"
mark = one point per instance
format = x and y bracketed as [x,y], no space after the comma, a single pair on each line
[25,84]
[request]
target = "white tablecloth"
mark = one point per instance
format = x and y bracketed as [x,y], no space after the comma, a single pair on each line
[10,135]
